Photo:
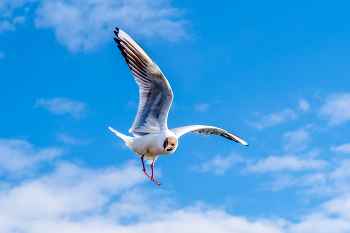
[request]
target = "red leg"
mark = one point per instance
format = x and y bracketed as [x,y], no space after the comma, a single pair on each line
[153,176]
[152,171]
[144,170]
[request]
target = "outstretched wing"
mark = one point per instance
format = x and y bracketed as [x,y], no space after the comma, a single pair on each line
[207,130]
[155,92]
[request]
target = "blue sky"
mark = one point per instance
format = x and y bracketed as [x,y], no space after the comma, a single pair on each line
[276,74]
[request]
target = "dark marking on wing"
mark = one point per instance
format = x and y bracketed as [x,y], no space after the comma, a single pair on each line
[216,131]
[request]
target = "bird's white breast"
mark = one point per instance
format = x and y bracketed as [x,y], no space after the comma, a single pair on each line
[151,144]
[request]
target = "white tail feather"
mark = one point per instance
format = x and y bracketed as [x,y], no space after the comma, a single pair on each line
[127,139]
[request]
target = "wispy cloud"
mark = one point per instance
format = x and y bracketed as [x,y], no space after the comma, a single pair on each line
[318,179]
[202,107]
[76,199]
[19,156]
[19,19]
[336,181]
[339,206]
[72,198]
[219,165]
[131,105]
[7,19]
[63,106]
[304,105]
[332,216]
[275,119]
[68,191]
[336,109]
[2,55]
[291,163]
[80,199]
[345,148]
[6,25]
[8,6]
[71,140]
[342,170]
[296,141]
[285,180]
[83,25]
[66,139]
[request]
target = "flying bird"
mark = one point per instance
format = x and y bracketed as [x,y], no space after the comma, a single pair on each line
[151,134]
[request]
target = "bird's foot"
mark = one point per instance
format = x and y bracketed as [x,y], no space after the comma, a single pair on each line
[144,170]
[155,181]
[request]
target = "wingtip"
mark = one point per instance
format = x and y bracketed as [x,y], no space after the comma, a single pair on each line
[244,143]
[116,32]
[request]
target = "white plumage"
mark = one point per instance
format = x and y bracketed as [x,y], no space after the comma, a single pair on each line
[151,134]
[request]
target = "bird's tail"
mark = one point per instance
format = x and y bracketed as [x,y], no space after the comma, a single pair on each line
[127,139]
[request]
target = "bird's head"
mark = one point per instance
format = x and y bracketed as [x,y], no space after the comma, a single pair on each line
[170,143]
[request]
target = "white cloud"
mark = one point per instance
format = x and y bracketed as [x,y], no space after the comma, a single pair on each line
[337,181]
[19,19]
[2,55]
[6,25]
[343,171]
[18,156]
[345,148]
[339,206]
[70,192]
[202,107]
[76,199]
[333,179]
[275,119]
[304,105]
[71,140]
[83,25]
[7,20]
[332,216]
[336,109]
[219,165]
[296,141]
[292,163]
[63,106]
[310,181]
[7,6]
[66,139]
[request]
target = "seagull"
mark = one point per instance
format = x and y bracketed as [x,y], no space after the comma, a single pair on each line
[151,134]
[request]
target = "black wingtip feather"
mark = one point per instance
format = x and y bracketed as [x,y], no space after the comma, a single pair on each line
[116,32]
[121,49]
